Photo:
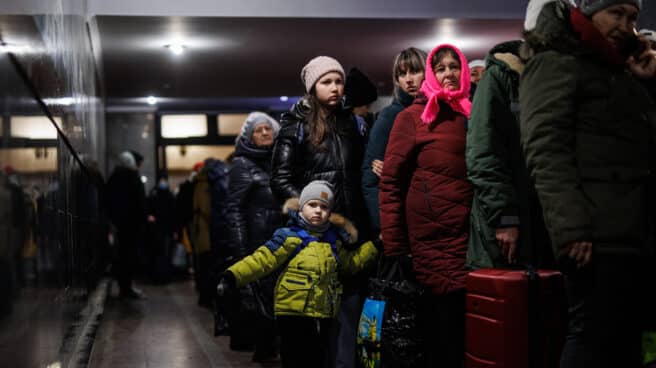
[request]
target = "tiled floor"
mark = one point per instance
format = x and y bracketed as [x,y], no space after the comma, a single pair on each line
[167,329]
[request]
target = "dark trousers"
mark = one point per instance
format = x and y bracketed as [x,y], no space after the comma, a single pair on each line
[610,303]
[265,338]
[6,289]
[128,242]
[441,321]
[345,330]
[204,280]
[304,341]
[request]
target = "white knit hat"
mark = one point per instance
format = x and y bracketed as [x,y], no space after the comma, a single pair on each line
[533,11]
[475,63]
[126,159]
[317,67]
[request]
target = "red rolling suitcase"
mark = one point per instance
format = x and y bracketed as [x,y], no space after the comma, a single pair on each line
[515,318]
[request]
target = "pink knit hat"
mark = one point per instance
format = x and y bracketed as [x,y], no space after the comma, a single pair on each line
[316,69]
[431,88]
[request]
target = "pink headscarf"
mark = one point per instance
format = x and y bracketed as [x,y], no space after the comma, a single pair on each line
[458,100]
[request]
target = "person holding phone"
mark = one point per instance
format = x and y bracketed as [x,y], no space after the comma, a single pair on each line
[588,125]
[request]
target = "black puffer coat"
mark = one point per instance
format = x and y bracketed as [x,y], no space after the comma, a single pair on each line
[126,199]
[253,212]
[296,162]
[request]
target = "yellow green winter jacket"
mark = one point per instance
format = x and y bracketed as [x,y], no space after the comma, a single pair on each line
[308,285]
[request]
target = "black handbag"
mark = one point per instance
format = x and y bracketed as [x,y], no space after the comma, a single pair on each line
[399,343]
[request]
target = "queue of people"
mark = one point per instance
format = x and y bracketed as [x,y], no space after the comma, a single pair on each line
[550,163]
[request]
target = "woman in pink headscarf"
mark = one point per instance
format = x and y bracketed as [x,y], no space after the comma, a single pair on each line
[425,199]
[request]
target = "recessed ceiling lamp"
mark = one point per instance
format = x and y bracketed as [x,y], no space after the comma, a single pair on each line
[151,100]
[284,98]
[176,48]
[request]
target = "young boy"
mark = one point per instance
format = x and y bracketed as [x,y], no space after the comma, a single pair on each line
[307,295]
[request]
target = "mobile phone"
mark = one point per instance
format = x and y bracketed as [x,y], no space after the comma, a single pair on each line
[634,46]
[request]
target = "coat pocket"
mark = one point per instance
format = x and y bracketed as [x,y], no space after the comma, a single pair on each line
[483,250]
[293,291]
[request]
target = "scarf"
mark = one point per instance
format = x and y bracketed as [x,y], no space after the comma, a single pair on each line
[458,100]
[245,147]
[312,228]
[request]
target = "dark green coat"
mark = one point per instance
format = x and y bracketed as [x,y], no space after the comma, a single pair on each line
[588,130]
[504,196]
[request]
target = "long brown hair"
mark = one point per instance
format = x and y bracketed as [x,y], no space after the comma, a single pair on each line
[318,125]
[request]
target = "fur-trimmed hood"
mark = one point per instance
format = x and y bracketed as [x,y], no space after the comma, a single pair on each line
[506,55]
[513,61]
[292,205]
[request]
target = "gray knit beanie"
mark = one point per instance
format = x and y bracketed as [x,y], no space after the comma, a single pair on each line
[316,69]
[255,118]
[589,7]
[320,190]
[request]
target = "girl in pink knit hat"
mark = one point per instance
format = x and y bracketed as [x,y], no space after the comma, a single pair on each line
[319,140]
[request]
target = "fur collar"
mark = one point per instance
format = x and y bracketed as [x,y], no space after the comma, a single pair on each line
[293,204]
[513,61]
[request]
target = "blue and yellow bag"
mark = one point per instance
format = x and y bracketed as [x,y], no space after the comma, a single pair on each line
[387,332]
[369,331]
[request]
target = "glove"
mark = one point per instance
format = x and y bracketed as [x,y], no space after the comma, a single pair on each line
[226,284]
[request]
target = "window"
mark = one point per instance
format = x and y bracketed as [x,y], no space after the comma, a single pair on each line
[184,157]
[230,124]
[30,160]
[184,126]
[33,127]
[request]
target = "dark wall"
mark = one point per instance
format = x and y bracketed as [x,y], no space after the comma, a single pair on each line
[52,235]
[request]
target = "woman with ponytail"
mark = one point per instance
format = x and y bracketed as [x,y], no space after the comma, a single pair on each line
[425,200]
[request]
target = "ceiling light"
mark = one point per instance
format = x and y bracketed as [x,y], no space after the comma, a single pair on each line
[151,100]
[64,101]
[14,48]
[176,48]
[284,98]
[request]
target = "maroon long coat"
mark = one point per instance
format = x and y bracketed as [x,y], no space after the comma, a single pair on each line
[425,197]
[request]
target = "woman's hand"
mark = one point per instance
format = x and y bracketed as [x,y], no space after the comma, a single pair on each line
[579,252]
[644,66]
[507,237]
[377,167]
